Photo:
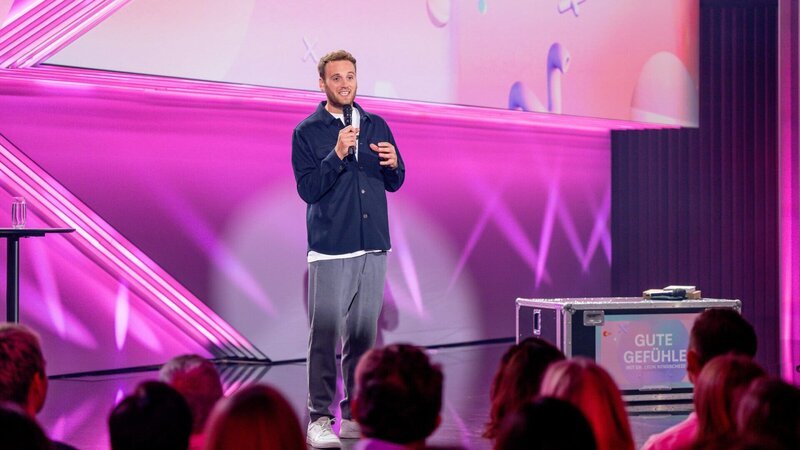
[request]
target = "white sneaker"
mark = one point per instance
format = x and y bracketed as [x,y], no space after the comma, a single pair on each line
[320,434]
[349,429]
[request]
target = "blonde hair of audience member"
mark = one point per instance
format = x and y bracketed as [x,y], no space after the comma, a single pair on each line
[718,389]
[256,418]
[589,387]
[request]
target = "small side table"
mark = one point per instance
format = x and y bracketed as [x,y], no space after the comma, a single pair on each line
[12,263]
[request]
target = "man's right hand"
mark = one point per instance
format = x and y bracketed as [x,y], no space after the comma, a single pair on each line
[347,139]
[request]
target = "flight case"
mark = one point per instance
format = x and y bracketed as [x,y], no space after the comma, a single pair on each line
[641,343]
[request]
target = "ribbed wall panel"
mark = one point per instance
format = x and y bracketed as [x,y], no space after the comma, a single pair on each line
[700,206]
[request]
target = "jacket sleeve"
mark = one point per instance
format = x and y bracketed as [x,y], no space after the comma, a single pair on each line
[393,178]
[314,178]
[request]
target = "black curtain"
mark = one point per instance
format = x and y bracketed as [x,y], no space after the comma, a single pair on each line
[700,206]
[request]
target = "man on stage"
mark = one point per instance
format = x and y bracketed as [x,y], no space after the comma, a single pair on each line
[344,161]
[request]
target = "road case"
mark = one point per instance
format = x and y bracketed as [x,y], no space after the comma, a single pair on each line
[641,343]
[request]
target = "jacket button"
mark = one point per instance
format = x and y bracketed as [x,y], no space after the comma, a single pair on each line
[366,216]
[363,191]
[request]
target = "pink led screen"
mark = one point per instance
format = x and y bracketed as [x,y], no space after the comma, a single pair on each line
[618,59]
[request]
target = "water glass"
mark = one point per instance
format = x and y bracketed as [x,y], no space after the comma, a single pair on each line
[18,212]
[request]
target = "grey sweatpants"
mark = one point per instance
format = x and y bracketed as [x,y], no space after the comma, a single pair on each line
[345,297]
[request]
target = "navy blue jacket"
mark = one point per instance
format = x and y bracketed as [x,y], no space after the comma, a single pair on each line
[346,198]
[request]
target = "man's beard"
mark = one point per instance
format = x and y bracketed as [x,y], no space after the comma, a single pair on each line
[332,101]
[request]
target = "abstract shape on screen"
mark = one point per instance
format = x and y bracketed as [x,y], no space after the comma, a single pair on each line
[439,12]
[570,5]
[665,92]
[482,6]
[521,97]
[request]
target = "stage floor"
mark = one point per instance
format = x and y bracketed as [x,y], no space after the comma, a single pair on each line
[77,408]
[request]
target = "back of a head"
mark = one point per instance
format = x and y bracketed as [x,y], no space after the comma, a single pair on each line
[588,386]
[518,378]
[545,424]
[155,417]
[398,394]
[198,381]
[771,408]
[18,431]
[20,360]
[720,331]
[719,387]
[257,417]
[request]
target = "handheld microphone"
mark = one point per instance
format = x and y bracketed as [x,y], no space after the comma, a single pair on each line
[347,110]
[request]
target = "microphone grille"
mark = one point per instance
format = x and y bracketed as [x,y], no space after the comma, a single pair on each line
[347,110]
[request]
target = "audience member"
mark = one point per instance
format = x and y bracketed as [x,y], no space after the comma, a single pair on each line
[518,378]
[545,424]
[715,332]
[256,418]
[771,409]
[18,431]
[22,371]
[398,397]
[154,417]
[718,389]
[589,387]
[197,380]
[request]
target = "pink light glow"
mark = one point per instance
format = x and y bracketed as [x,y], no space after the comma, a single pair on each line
[205,237]
[111,250]
[464,432]
[400,245]
[47,284]
[75,331]
[474,236]
[121,316]
[600,233]
[546,235]
[515,232]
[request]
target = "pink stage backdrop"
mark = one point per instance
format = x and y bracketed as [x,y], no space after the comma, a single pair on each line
[619,59]
[491,209]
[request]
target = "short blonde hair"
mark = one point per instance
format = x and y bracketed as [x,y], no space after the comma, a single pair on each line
[338,55]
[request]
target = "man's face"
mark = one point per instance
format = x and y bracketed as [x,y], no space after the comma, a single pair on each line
[339,84]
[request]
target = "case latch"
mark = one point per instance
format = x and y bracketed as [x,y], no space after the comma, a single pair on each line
[594,318]
[537,322]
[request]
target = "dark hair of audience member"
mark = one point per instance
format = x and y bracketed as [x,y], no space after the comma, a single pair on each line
[18,431]
[547,423]
[589,387]
[771,408]
[21,361]
[398,394]
[257,417]
[518,378]
[717,391]
[154,417]
[198,381]
[719,331]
